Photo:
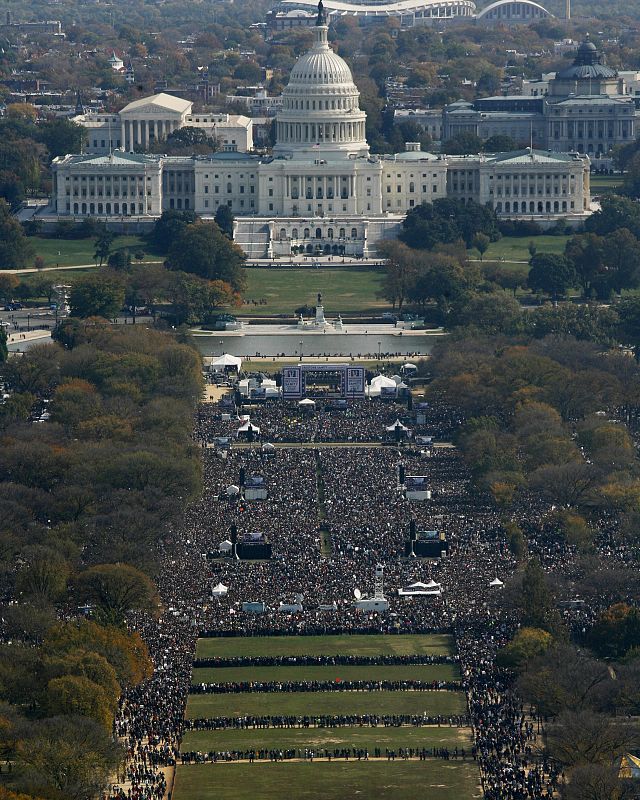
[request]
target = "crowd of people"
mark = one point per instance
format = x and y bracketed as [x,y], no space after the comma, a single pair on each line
[332,514]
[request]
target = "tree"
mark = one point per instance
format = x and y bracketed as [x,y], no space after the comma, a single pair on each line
[463,144]
[68,756]
[4,350]
[115,590]
[622,257]
[585,252]
[528,643]
[76,694]
[447,221]
[16,251]
[8,285]
[75,401]
[564,678]
[400,271]
[491,313]
[551,274]
[500,143]
[481,242]
[224,220]
[439,278]
[616,631]
[202,249]
[629,326]
[126,652]
[103,245]
[99,295]
[189,137]
[536,600]
[43,576]
[615,212]
[169,226]
[62,136]
[583,737]
[597,782]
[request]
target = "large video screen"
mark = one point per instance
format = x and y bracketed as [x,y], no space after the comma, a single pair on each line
[323,383]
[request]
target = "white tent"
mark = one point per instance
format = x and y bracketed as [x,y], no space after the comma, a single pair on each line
[220,590]
[396,425]
[248,426]
[396,379]
[225,547]
[232,490]
[409,367]
[227,361]
[267,447]
[307,403]
[497,583]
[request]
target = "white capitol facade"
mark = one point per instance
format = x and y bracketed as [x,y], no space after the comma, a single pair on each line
[321,190]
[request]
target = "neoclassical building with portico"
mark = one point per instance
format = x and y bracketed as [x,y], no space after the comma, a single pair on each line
[320,190]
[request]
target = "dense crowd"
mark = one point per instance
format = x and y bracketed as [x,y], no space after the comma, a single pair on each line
[333,514]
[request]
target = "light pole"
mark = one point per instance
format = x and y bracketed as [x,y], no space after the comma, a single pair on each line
[300,343]
[379,351]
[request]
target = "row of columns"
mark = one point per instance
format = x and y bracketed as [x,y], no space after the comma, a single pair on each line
[139,132]
[324,132]
[336,184]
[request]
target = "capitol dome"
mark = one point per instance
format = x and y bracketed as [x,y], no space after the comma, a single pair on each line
[320,105]
[320,66]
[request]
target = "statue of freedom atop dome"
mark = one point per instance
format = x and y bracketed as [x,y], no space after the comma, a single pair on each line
[321,19]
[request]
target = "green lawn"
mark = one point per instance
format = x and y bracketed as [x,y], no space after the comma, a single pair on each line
[360,645]
[329,738]
[412,780]
[426,672]
[603,183]
[343,290]
[71,252]
[317,703]
[516,248]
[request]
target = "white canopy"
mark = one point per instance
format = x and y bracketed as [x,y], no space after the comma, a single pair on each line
[220,590]
[268,447]
[381,380]
[225,547]
[307,402]
[248,426]
[496,582]
[397,424]
[409,366]
[226,360]
[396,379]
[233,490]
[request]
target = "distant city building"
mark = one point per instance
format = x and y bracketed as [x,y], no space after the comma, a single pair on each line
[116,63]
[586,107]
[321,190]
[410,13]
[258,102]
[52,27]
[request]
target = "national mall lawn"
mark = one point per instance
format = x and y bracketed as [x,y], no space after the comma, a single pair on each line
[338,779]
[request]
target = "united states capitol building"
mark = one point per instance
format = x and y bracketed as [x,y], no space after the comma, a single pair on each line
[320,190]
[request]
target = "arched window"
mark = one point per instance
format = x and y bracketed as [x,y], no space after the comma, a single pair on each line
[294,233]
[412,187]
[306,233]
[354,233]
[318,233]
[283,233]
[342,233]
[330,233]
[229,188]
